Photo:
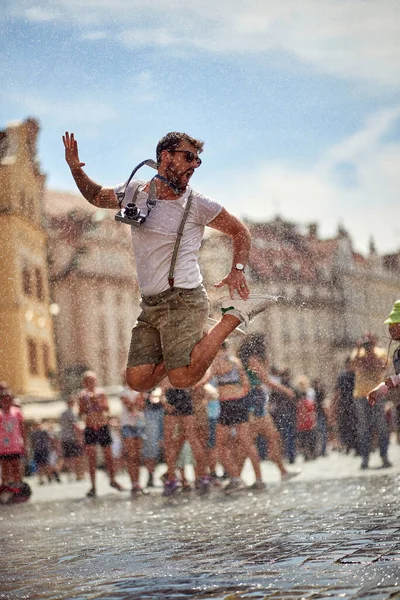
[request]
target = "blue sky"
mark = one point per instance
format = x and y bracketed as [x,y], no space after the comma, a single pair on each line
[298,101]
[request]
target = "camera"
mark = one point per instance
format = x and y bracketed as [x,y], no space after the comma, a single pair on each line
[130,215]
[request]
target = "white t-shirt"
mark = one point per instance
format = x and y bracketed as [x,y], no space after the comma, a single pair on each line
[154,241]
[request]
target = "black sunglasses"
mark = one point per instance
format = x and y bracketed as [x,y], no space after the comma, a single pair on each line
[189,156]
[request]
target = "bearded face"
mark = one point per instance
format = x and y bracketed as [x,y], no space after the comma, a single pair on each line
[180,165]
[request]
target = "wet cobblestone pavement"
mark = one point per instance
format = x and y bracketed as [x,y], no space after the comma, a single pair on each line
[316,538]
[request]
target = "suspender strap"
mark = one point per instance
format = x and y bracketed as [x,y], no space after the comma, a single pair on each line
[178,241]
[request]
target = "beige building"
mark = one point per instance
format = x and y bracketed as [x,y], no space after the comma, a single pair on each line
[334,294]
[27,354]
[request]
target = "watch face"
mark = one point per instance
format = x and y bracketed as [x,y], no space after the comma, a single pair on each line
[239,267]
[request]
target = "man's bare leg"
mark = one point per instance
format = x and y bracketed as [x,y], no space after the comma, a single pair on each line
[172,446]
[145,377]
[203,353]
[190,434]
[91,453]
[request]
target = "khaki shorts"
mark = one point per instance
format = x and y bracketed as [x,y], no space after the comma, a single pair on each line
[169,326]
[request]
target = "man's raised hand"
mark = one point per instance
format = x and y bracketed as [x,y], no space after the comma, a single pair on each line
[71,151]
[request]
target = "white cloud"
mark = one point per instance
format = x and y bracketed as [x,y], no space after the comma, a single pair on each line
[368,207]
[86,110]
[352,39]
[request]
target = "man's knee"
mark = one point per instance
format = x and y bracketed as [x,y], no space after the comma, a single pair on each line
[181,379]
[139,380]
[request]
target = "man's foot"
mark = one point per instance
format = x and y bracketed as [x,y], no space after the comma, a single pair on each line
[257,486]
[114,484]
[364,465]
[236,332]
[171,487]
[91,493]
[150,481]
[386,464]
[246,310]
[137,490]
[203,485]
[214,480]
[289,475]
[235,485]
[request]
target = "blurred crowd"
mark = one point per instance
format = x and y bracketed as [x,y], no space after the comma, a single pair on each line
[242,409]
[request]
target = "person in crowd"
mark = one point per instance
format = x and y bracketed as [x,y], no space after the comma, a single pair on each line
[12,439]
[40,445]
[369,363]
[322,417]
[93,408]
[391,382]
[185,459]
[153,444]
[70,435]
[133,427]
[306,417]
[117,446]
[55,456]
[230,379]
[207,408]
[168,337]
[282,407]
[179,414]
[253,354]
[344,410]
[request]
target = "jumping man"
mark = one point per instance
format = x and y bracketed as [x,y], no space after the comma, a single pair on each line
[168,338]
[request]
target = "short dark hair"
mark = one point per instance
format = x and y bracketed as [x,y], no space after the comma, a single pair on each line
[254,345]
[171,141]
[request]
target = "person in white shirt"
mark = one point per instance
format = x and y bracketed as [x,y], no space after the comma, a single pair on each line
[169,335]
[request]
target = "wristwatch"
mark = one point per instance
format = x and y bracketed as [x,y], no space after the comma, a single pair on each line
[239,267]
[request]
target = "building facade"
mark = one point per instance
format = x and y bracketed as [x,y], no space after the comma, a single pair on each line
[27,349]
[334,296]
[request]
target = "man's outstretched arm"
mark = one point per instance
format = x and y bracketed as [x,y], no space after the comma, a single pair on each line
[93,192]
[226,223]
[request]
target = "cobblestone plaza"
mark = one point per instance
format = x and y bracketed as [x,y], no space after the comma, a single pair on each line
[332,532]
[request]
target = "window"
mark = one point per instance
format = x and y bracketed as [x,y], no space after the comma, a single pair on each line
[39,284]
[26,280]
[32,357]
[302,328]
[285,329]
[46,359]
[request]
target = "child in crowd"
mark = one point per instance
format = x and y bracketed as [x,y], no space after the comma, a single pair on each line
[12,439]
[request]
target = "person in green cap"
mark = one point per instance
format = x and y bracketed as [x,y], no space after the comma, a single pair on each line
[382,390]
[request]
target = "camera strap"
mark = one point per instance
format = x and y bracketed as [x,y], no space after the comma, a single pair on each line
[150,163]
